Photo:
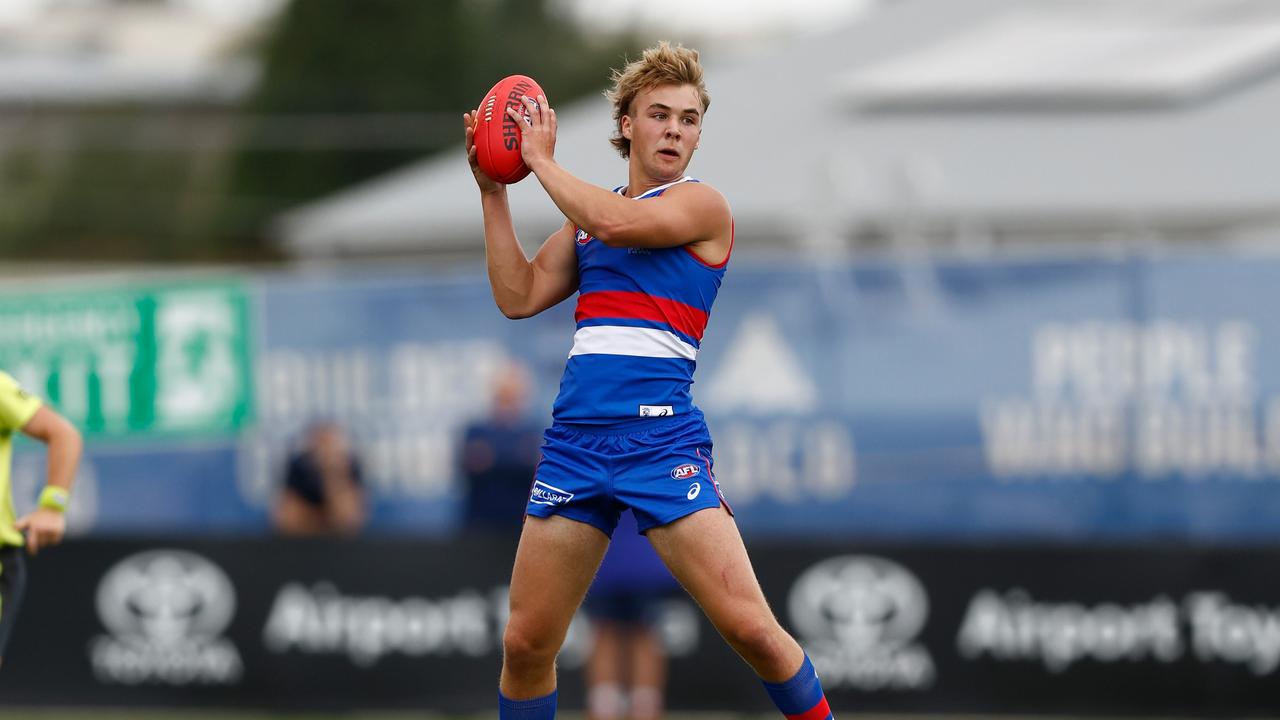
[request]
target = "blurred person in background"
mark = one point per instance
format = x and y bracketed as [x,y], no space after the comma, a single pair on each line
[646,260]
[46,525]
[499,453]
[323,491]
[627,665]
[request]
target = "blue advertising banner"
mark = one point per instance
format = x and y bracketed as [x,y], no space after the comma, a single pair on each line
[1070,399]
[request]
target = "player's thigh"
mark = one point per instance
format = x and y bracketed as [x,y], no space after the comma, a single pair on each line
[555,561]
[704,551]
[13,582]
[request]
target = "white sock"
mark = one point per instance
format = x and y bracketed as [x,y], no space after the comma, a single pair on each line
[606,702]
[646,703]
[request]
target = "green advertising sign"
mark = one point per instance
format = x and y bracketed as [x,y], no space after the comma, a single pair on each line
[133,360]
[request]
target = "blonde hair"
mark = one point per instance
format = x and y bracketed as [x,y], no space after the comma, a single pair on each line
[662,64]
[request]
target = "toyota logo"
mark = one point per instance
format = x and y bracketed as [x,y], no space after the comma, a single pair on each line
[859,601]
[166,597]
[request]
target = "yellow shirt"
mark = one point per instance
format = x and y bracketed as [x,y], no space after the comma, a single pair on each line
[16,409]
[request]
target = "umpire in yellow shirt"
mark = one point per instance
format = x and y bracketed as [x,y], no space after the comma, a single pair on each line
[45,526]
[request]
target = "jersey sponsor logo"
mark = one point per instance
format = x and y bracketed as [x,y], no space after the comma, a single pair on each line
[694,489]
[683,472]
[656,410]
[544,494]
[583,238]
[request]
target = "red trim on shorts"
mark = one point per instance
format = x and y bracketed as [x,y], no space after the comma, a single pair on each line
[706,462]
[821,711]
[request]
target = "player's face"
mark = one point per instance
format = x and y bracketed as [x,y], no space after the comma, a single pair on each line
[664,126]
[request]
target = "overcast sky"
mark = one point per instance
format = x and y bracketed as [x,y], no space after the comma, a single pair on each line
[688,20]
[19,10]
[724,18]
[732,17]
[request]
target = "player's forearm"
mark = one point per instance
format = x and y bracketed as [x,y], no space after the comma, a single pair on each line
[64,449]
[510,272]
[600,212]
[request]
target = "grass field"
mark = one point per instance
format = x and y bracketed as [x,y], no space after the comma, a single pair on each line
[182,714]
[44,714]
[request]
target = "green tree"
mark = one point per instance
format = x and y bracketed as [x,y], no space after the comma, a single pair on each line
[380,83]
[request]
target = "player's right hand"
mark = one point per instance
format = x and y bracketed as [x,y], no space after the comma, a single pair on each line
[538,139]
[487,185]
[42,527]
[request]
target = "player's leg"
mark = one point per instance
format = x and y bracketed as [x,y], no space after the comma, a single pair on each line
[13,582]
[705,553]
[605,665]
[648,665]
[555,562]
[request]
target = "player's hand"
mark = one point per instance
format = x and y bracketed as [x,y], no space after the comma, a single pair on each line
[538,131]
[486,185]
[43,527]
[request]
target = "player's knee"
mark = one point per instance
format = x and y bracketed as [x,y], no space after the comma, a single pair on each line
[521,646]
[756,638]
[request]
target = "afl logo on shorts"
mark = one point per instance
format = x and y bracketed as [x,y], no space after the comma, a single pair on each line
[583,238]
[685,471]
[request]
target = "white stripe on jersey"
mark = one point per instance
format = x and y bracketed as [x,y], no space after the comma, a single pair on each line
[642,342]
[660,188]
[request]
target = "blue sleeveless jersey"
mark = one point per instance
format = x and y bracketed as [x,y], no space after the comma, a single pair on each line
[640,318]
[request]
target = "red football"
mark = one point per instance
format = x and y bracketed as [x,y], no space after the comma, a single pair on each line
[497,136]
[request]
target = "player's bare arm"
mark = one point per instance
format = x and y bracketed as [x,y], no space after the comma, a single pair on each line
[693,214]
[521,288]
[46,525]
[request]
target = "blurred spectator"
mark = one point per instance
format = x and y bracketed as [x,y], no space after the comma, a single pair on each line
[499,454]
[627,667]
[323,492]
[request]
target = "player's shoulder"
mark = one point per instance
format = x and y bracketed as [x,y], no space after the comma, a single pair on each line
[692,185]
[10,389]
[700,192]
[17,406]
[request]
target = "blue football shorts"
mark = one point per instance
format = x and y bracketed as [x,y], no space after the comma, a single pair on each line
[661,468]
[636,608]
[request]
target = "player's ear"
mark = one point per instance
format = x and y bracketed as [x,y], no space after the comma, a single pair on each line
[624,126]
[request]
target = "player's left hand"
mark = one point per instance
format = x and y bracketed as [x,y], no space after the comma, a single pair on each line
[487,186]
[538,131]
[43,527]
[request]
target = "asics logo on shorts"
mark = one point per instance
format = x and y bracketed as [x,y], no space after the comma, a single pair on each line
[694,489]
[687,470]
[544,494]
